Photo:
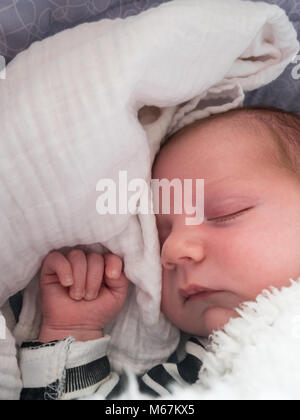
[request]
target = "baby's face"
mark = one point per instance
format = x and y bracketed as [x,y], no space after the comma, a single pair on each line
[234,257]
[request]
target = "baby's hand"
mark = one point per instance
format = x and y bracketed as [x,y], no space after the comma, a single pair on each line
[80,294]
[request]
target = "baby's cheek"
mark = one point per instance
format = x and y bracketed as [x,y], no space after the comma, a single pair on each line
[216,318]
[244,266]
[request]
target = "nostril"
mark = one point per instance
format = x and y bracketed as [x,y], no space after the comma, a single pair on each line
[186,259]
[169,266]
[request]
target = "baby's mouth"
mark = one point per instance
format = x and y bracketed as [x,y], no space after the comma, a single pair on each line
[194,292]
[202,295]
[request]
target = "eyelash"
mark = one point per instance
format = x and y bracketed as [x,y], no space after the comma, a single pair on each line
[232,216]
[221,219]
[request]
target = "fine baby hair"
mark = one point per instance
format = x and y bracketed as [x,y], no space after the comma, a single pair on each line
[285,127]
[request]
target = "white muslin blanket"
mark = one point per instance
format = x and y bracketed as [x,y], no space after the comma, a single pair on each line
[69,117]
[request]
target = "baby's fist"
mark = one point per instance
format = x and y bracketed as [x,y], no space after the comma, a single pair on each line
[80,294]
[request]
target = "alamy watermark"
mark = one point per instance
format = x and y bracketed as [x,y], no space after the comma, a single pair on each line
[296,69]
[2,67]
[146,200]
[2,328]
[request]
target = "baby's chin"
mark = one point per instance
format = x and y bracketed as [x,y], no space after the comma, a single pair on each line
[213,319]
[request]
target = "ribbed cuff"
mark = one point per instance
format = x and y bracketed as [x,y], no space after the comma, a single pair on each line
[64,369]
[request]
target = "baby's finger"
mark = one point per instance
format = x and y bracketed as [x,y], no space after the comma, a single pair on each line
[57,268]
[113,265]
[78,262]
[113,270]
[95,270]
[118,287]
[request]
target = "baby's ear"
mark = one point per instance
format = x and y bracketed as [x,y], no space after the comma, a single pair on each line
[149,114]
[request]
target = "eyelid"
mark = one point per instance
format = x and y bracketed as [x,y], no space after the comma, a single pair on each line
[229,216]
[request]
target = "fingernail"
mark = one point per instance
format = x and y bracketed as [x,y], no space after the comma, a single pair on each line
[78,294]
[114,274]
[90,296]
[68,281]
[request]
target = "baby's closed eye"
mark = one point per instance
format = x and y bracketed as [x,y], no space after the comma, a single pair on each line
[230,216]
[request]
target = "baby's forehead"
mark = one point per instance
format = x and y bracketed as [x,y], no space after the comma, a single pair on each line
[222,137]
[239,128]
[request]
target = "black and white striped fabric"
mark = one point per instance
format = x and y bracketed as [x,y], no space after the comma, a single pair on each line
[65,369]
[87,371]
[159,380]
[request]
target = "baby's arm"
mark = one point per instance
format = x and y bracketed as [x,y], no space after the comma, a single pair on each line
[80,295]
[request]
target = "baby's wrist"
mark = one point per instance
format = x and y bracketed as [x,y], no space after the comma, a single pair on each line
[48,334]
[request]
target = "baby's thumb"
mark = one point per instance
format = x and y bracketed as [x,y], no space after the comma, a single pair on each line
[57,268]
[117,285]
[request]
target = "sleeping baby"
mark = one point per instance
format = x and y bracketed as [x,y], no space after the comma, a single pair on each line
[248,242]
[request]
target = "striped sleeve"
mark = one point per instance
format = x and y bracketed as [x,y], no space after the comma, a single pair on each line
[159,380]
[66,370]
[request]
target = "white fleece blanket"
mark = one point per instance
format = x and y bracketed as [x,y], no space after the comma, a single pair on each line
[256,357]
[69,117]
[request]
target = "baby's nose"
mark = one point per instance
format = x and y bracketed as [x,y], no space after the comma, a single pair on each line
[180,252]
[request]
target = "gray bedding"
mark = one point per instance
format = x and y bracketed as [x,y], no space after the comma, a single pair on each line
[284,92]
[24,21]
